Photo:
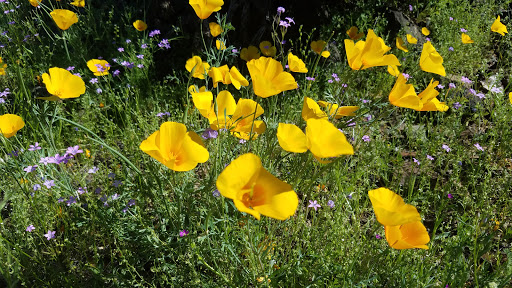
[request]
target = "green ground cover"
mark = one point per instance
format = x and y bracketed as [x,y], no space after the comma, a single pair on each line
[101,186]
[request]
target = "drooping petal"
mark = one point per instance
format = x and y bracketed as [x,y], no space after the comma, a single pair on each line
[390,209]
[324,140]
[203,101]
[411,39]
[291,138]
[311,110]
[236,78]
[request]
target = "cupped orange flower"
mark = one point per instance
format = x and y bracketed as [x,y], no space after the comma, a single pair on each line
[466,39]
[64,18]
[215,29]
[10,124]
[78,3]
[499,27]
[390,209]
[205,8]
[140,25]
[197,67]
[176,148]
[407,236]
[268,77]
[62,84]
[322,138]
[319,46]
[98,67]
[250,53]
[296,64]
[352,33]
[403,95]
[369,53]
[255,191]
[241,123]
[431,61]
[226,106]
[400,44]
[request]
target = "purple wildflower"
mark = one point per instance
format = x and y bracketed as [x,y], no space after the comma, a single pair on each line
[280,10]
[183,233]
[73,150]
[451,86]
[30,228]
[49,184]
[210,134]
[34,147]
[154,32]
[120,49]
[416,161]
[314,204]
[93,81]
[116,73]
[216,193]
[116,183]
[477,145]
[456,105]
[29,169]
[99,91]
[440,86]
[450,196]
[93,170]
[466,80]
[71,201]
[463,30]
[446,148]
[366,138]
[36,187]
[330,203]
[50,235]
[430,158]
[81,190]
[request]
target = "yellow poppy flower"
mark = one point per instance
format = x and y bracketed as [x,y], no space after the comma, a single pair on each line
[295,64]
[255,191]
[510,97]
[322,138]
[403,95]
[369,53]
[197,67]
[268,49]
[35,3]
[227,76]
[352,33]
[319,46]
[390,209]
[2,67]
[215,29]
[466,39]
[140,25]
[193,89]
[407,236]
[425,31]
[78,3]
[226,106]
[250,53]
[393,70]
[499,27]
[10,124]
[241,123]
[431,61]
[98,66]
[205,8]
[400,44]
[411,39]
[64,18]
[268,77]
[62,84]
[220,45]
[176,148]
[336,111]
[428,98]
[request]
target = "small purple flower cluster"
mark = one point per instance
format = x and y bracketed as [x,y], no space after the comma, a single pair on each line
[164,44]
[4,94]
[336,78]
[162,114]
